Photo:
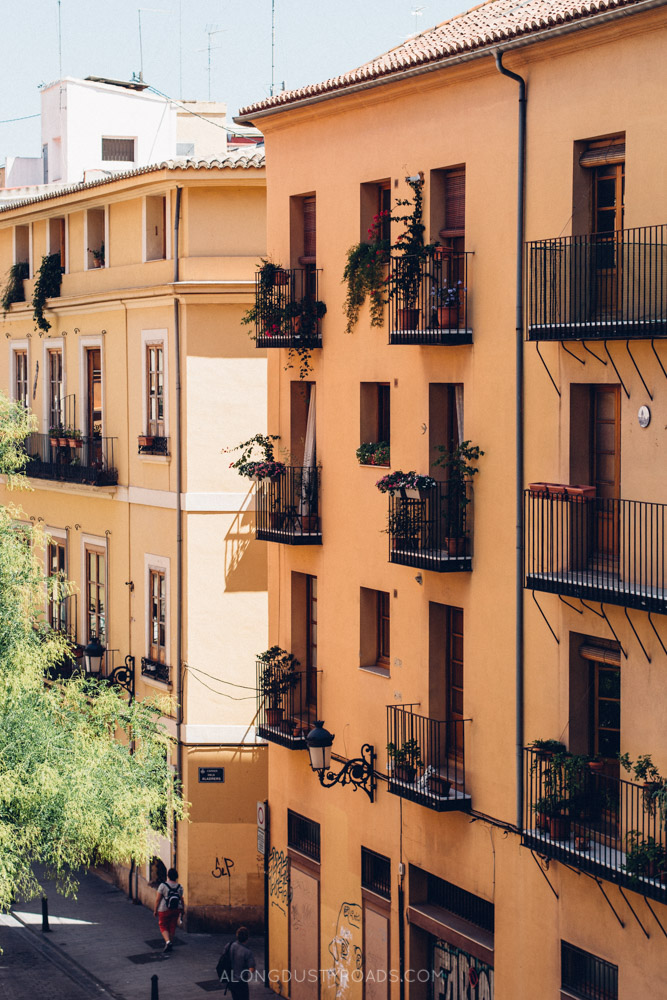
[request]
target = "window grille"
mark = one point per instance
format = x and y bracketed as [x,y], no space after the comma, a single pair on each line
[118,149]
[586,975]
[376,873]
[303,835]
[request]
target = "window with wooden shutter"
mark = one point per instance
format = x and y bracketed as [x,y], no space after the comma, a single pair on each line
[309,231]
[158,615]
[21,377]
[455,204]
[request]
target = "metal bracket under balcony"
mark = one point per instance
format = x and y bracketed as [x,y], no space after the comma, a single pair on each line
[603,286]
[88,460]
[607,550]
[155,670]
[428,298]
[286,705]
[287,507]
[428,760]
[594,822]
[287,308]
[432,530]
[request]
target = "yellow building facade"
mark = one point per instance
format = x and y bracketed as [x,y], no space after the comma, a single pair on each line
[461,859]
[139,377]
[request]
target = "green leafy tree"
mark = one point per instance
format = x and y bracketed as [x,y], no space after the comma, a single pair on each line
[82,771]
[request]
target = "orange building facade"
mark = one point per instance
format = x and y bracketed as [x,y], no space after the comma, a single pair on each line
[472,862]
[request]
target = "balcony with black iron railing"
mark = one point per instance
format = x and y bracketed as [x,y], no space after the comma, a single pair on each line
[427,759]
[152,444]
[428,298]
[287,507]
[594,822]
[155,670]
[288,312]
[286,705]
[71,459]
[603,286]
[606,550]
[432,529]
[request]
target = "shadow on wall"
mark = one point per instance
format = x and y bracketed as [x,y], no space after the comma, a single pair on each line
[245,557]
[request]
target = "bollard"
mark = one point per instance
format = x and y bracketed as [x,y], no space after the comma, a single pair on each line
[45,915]
[154,991]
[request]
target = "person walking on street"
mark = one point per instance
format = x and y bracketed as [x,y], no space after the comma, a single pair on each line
[240,963]
[169,907]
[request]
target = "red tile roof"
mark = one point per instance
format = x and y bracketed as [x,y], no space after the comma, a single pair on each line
[487,25]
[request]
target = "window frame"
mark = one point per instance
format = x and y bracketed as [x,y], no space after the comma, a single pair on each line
[153,338]
[20,350]
[118,138]
[157,615]
[94,548]
[154,563]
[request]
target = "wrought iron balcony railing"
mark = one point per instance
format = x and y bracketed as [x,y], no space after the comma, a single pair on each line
[156,670]
[150,444]
[74,460]
[286,705]
[287,507]
[432,530]
[286,310]
[595,822]
[599,287]
[428,759]
[612,551]
[428,299]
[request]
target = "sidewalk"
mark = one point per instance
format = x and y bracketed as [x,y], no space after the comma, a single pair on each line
[112,948]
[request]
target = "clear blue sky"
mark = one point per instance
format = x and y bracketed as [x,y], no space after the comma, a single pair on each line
[315,39]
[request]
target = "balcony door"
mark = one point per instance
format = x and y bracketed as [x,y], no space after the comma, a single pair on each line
[446,675]
[606,471]
[93,451]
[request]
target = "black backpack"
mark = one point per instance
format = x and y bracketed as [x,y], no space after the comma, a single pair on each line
[224,966]
[173,897]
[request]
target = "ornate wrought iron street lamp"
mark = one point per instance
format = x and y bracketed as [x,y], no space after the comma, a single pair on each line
[359,772]
[92,655]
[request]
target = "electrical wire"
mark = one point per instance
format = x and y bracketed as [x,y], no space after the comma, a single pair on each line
[244,687]
[221,694]
[172,100]
[24,118]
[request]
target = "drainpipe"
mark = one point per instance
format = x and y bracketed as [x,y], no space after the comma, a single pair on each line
[520,224]
[179,519]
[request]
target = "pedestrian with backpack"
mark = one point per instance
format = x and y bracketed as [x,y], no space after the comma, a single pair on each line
[169,907]
[236,965]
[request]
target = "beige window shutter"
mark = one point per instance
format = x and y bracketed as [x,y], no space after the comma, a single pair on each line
[599,156]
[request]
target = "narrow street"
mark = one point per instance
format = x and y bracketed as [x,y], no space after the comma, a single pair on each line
[101,945]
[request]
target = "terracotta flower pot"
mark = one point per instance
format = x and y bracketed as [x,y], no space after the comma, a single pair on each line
[274,716]
[54,442]
[146,440]
[408,319]
[63,442]
[71,442]
[456,547]
[448,317]
[559,827]
[280,277]
[596,766]
[404,772]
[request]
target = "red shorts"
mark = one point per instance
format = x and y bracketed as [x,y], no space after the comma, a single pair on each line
[168,920]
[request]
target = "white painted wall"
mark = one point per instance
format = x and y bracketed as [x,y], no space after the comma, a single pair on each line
[22,170]
[207,137]
[77,114]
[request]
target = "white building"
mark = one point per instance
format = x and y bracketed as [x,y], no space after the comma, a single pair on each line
[95,127]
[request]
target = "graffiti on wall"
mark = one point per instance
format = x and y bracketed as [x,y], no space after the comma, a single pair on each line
[460,976]
[279,882]
[345,950]
[223,870]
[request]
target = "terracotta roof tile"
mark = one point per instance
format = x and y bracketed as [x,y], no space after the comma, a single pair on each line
[488,24]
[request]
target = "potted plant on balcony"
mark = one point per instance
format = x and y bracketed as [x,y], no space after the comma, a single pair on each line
[54,436]
[47,285]
[447,301]
[256,460]
[278,677]
[14,291]
[146,440]
[405,760]
[97,255]
[365,274]
[545,749]
[373,453]
[644,770]
[302,316]
[458,464]
[411,485]
[410,253]
[267,311]
[645,857]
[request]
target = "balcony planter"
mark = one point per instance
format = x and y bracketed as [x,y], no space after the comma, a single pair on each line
[409,493]
[457,547]
[408,319]
[405,760]
[146,440]
[448,317]
[280,276]
[596,766]
[63,442]
[274,716]
[559,827]
[582,843]
[580,492]
[538,489]
[404,772]
[54,442]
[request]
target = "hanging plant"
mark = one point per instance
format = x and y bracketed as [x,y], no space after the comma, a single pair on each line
[410,249]
[365,275]
[14,291]
[47,286]
[254,466]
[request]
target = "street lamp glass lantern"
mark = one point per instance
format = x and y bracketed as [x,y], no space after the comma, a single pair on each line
[92,655]
[319,741]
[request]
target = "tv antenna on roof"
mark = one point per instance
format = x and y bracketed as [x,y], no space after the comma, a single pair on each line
[211,29]
[145,10]
[416,12]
